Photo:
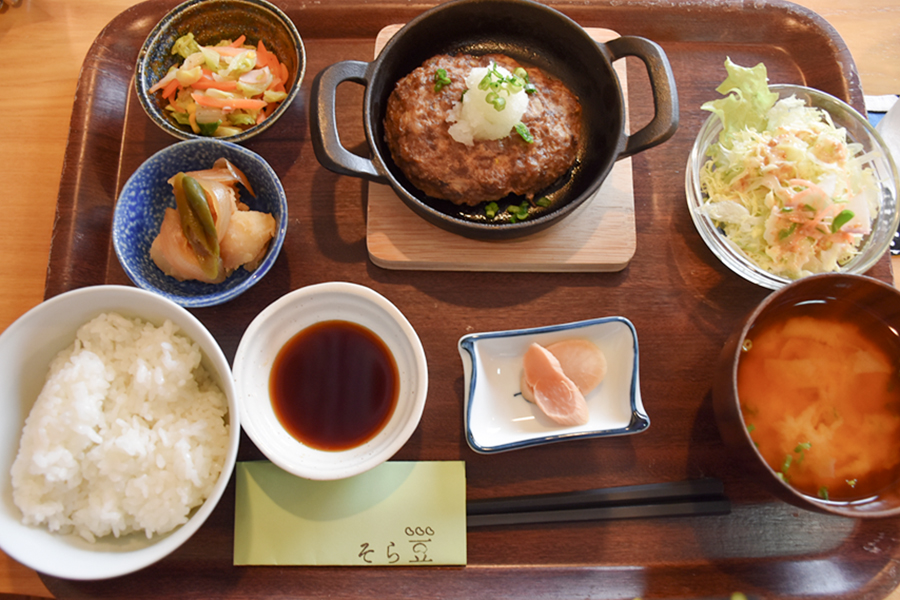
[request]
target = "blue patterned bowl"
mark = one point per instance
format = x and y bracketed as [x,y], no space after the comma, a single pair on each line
[212,21]
[146,195]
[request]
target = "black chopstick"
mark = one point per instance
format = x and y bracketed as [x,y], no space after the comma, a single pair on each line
[680,498]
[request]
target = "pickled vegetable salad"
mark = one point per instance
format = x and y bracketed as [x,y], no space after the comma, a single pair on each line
[222,90]
[783,183]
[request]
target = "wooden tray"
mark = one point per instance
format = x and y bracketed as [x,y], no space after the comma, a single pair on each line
[682,301]
[599,236]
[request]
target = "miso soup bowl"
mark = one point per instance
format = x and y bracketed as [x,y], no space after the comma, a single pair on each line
[859,292]
[532,34]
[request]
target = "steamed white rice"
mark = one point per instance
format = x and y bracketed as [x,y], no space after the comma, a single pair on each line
[128,434]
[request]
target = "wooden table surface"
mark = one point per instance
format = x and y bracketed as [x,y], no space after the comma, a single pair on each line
[43,44]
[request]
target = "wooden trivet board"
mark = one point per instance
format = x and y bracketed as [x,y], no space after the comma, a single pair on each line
[598,236]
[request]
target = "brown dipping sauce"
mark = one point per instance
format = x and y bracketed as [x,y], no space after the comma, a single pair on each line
[334,385]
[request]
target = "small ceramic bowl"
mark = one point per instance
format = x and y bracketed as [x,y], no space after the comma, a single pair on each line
[212,21]
[850,297]
[878,159]
[498,418]
[278,324]
[142,203]
[26,349]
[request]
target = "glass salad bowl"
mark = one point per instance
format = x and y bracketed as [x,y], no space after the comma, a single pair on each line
[877,157]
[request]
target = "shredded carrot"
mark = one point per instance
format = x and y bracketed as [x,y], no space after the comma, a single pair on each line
[170,88]
[247,103]
[264,57]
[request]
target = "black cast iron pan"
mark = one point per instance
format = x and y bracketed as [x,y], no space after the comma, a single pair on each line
[532,34]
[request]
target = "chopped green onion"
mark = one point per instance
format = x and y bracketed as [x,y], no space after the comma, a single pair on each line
[750,428]
[851,482]
[497,100]
[485,82]
[491,209]
[441,80]
[543,202]
[518,213]
[823,493]
[787,463]
[523,132]
[801,450]
[841,220]
[496,82]
[784,233]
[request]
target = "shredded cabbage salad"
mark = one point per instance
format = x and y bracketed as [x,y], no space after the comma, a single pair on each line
[782,182]
[223,89]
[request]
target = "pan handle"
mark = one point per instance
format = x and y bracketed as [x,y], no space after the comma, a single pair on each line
[662,83]
[323,124]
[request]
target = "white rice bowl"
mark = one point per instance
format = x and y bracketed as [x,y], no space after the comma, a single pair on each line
[146,480]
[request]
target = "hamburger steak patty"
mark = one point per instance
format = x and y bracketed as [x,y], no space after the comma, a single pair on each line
[416,131]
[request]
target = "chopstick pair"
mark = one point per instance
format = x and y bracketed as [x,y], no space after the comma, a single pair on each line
[680,498]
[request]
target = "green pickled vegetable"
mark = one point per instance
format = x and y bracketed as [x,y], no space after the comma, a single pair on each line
[208,128]
[197,222]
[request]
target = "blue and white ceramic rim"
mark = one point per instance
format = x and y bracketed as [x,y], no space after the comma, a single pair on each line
[640,421]
[141,205]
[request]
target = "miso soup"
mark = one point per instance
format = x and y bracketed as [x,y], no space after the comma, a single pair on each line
[820,396]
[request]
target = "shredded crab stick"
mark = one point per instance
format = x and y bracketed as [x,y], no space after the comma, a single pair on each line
[554,393]
[222,90]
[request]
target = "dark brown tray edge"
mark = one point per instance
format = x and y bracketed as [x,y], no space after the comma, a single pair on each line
[82,229]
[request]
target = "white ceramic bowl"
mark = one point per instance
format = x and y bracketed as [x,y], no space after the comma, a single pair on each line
[498,419]
[26,349]
[859,130]
[280,322]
